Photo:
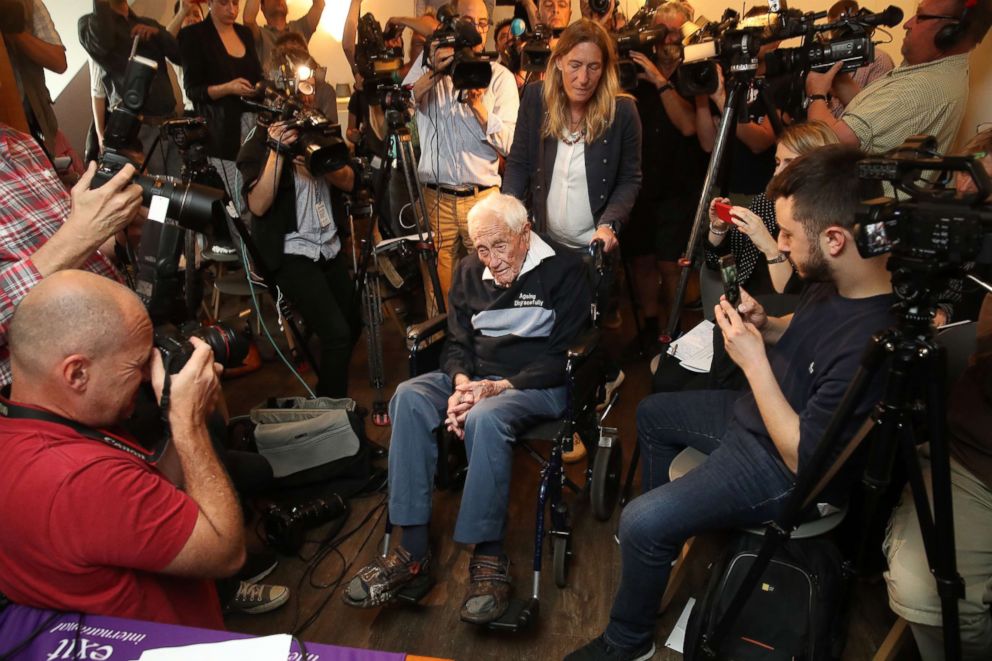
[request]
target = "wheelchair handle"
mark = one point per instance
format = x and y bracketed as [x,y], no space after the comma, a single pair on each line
[596,251]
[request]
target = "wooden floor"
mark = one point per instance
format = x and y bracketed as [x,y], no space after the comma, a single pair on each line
[568,618]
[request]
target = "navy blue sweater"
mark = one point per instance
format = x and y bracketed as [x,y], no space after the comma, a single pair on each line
[520,333]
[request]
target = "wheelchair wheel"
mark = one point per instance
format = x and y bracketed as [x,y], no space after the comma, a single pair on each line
[562,556]
[607,469]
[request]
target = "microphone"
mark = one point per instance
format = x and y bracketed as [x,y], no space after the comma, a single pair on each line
[518,27]
[890,17]
[467,33]
[445,13]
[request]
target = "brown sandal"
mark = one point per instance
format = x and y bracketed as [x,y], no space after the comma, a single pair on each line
[489,589]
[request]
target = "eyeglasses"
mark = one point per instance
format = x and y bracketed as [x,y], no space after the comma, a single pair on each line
[936,17]
[481,25]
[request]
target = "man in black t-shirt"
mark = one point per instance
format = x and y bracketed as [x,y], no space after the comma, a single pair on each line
[758,440]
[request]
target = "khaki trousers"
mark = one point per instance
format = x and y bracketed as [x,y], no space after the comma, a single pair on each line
[449,222]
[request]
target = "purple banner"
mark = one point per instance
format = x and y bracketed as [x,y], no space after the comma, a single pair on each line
[101,638]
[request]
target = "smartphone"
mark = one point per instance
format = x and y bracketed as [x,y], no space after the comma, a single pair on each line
[723,212]
[728,274]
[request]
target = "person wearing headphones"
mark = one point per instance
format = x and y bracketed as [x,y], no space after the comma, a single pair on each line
[927,94]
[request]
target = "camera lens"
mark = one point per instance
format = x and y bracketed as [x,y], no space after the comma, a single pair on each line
[230,347]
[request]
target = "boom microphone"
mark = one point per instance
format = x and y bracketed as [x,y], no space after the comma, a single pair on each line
[518,27]
[890,17]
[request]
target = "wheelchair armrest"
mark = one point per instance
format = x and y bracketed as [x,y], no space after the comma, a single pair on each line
[583,345]
[417,333]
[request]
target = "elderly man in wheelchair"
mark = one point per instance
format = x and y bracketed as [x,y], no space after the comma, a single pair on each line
[516,304]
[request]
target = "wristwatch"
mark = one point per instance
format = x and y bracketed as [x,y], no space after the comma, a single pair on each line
[777,259]
[817,97]
[667,86]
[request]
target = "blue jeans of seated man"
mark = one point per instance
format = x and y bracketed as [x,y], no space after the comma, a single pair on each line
[417,409]
[739,484]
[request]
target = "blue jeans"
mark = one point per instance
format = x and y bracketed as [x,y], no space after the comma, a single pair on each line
[417,409]
[739,484]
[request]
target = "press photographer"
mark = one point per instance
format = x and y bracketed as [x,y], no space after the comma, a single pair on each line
[294,170]
[927,94]
[463,133]
[117,537]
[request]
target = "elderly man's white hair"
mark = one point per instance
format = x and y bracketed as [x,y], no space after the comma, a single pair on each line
[675,8]
[506,208]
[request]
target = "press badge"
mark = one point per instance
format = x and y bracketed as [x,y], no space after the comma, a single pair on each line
[322,215]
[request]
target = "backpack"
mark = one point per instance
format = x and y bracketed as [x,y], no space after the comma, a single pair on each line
[793,613]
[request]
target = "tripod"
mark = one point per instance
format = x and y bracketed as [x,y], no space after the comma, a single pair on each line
[367,282]
[741,80]
[197,169]
[916,366]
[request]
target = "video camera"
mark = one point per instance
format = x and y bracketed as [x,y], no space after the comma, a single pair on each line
[320,142]
[640,34]
[733,44]
[191,206]
[935,226]
[377,64]
[536,50]
[468,70]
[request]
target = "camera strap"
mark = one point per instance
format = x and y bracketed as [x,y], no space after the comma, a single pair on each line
[16,412]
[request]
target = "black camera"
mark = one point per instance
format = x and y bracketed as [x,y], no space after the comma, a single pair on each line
[192,206]
[640,35]
[320,142]
[468,70]
[935,226]
[601,7]
[285,529]
[536,49]
[230,347]
[377,64]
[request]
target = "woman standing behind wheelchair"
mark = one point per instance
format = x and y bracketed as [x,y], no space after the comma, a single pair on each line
[576,154]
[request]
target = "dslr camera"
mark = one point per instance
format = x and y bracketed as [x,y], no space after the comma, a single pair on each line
[189,205]
[468,70]
[230,347]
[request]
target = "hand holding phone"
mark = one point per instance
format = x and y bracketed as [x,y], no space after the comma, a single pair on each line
[728,274]
[722,210]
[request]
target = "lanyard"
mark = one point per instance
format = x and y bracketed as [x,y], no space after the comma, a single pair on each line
[13,411]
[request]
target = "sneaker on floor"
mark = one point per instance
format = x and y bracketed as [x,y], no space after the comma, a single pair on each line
[256,598]
[379,581]
[578,452]
[609,388]
[489,589]
[600,650]
[257,566]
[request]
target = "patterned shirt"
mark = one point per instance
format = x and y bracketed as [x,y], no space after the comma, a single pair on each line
[928,98]
[864,76]
[35,204]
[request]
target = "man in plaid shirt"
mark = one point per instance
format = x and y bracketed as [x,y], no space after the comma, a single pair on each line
[44,228]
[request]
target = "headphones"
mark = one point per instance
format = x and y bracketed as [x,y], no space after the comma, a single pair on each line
[949,35]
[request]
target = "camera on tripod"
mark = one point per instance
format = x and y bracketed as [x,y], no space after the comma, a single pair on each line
[189,205]
[536,49]
[639,35]
[377,64]
[468,70]
[320,143]
[936,229]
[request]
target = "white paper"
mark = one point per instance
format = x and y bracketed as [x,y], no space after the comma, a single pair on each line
[695,349]
[385,243]
[158,208]
[676,639]
[267,648]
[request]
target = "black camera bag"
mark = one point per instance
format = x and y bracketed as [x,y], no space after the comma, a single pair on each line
[795,612]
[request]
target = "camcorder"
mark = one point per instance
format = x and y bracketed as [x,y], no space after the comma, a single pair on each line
[733,44]
[536,50]
[320,143]
[378,65]
[936,229]
[640,34]
[191,206]
[601,7]
[468,70]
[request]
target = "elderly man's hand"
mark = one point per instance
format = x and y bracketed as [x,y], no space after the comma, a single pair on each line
[466,395]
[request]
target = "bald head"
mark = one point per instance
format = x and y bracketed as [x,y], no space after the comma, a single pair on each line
[71,312]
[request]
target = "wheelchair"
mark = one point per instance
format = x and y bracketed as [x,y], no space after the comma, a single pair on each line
[585,384]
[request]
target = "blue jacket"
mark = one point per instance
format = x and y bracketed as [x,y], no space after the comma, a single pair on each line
[613,163]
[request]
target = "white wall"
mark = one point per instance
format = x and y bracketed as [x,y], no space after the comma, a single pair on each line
[325,47]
